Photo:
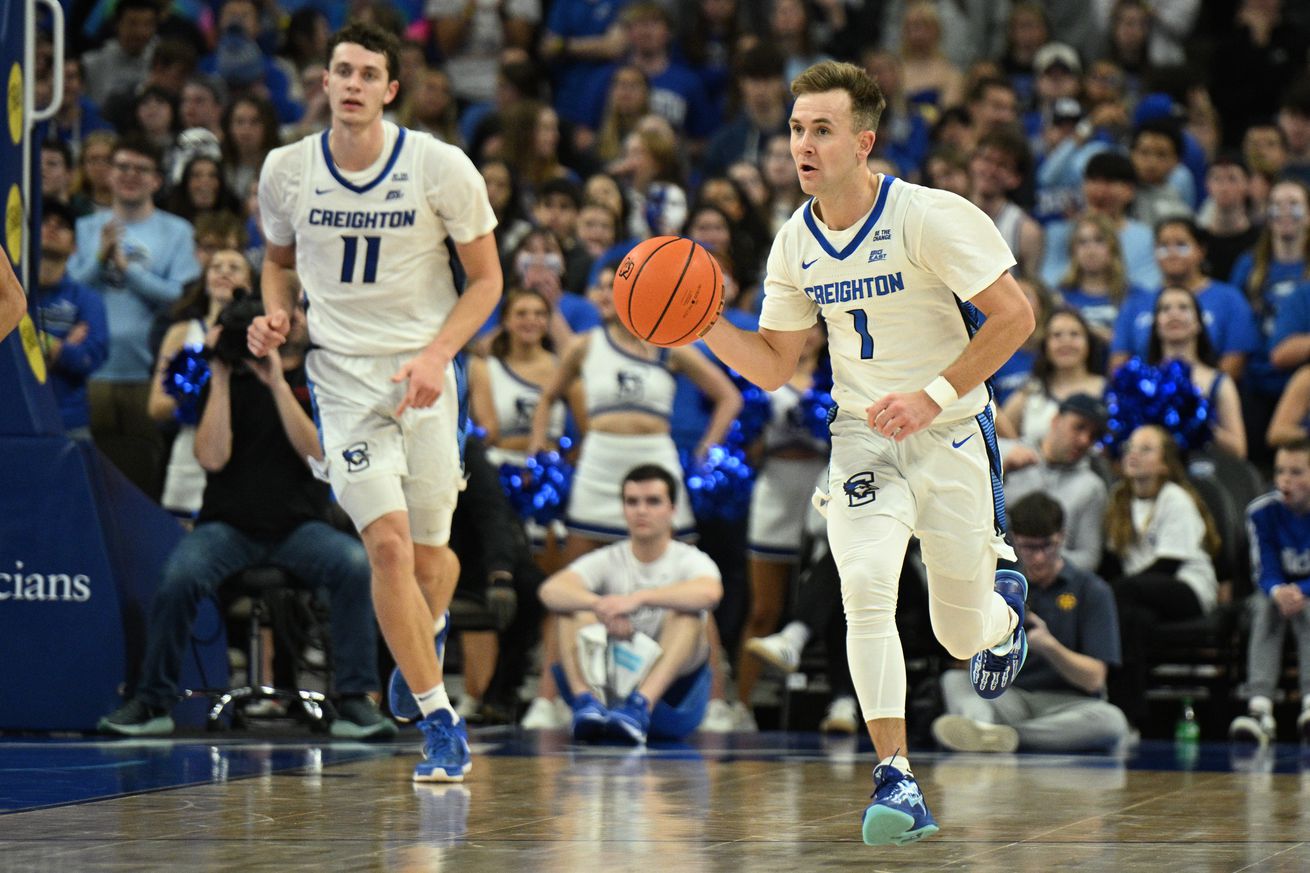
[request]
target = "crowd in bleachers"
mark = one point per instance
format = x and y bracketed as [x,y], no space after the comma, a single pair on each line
[1146,160]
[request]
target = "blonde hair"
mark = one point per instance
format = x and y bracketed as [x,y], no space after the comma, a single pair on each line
[615,126]
[1119,530]
[867,102]
[1073,277]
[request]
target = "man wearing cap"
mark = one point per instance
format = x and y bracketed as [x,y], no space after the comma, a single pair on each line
[1109,185]
[1060,467]
[70,320]
[1057,703]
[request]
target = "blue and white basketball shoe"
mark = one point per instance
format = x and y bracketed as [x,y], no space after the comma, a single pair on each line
[897,813]
[401,700]
[993,670]
[589,718]
[446,756]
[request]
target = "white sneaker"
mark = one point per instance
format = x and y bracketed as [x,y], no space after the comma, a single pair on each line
[843,716]
[1254,727]
[468,706]
[541,715]
[744,718]
[719,718]
[960,734]
[775,651]
[1303,725]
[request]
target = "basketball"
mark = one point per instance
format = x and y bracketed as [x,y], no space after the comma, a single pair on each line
[668,291]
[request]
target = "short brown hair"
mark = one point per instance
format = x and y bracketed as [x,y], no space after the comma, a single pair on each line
[867,102]
[371,37]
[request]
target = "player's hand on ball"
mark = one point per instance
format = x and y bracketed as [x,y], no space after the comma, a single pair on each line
[426,375]
[897,415]
[267,332]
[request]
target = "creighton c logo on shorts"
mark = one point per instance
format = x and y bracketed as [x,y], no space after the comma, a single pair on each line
[356,457]
[860,490]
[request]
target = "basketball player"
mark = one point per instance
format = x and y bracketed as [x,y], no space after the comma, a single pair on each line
[13,302]
[900,275]
[363,212]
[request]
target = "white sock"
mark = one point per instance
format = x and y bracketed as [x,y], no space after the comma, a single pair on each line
[439,625]
[433,699]
[900,762]
[797,634]
[1260,704]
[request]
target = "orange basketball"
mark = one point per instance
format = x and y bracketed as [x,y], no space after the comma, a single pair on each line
[668,291]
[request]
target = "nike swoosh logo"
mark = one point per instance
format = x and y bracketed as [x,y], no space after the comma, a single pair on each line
[956,444]
[322,190]
[806,266]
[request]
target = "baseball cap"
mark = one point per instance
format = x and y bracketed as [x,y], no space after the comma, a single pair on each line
[1089,407]
[1055,54]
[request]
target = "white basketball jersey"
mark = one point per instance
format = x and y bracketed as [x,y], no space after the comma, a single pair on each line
[893,288]
[371,246]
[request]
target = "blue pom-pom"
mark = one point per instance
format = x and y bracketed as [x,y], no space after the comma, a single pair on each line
[538,490]
[756,409]
[184,380]
[1140,394]
[719,487]
[816,404]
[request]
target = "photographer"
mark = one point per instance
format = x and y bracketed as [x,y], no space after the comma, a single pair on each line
[262,506]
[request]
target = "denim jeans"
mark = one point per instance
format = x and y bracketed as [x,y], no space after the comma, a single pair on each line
[315,554]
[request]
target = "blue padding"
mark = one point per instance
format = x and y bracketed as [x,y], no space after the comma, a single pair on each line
[679,712]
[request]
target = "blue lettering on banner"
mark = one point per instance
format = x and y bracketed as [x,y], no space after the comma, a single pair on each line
[848,290]
[363,220]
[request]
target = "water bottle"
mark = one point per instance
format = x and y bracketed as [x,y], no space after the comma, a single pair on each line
[1186,730]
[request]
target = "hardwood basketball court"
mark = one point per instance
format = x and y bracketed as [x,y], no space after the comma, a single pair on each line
[534,802]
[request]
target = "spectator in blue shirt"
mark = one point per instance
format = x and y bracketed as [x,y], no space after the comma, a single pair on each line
[1279,526]
[77,115]
[1096,283]
[1109,185]
[677,94]
[581,37]
[765,104]
[138,258]
[243,64]
[1228,317]
[71,319]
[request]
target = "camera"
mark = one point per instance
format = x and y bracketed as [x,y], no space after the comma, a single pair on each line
[235,319]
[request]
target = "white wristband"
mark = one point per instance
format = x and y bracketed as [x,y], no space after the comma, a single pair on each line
[941,391]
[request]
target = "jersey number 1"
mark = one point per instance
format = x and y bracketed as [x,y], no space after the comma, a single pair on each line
[862,328]
[371,246]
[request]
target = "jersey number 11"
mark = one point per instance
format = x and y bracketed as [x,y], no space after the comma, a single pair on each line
[371,246]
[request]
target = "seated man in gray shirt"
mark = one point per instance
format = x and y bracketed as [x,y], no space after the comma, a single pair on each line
[1057,703]
[1059,466]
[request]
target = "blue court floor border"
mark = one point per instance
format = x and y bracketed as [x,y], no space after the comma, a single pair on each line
[39,773]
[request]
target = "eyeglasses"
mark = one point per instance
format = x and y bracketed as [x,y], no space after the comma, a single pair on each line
[1088,240]
[138,169]
[1037,547]
[1288,210]
[1164,250]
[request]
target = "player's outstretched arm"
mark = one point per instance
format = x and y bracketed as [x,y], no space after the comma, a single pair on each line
[13,302]
[767,358]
